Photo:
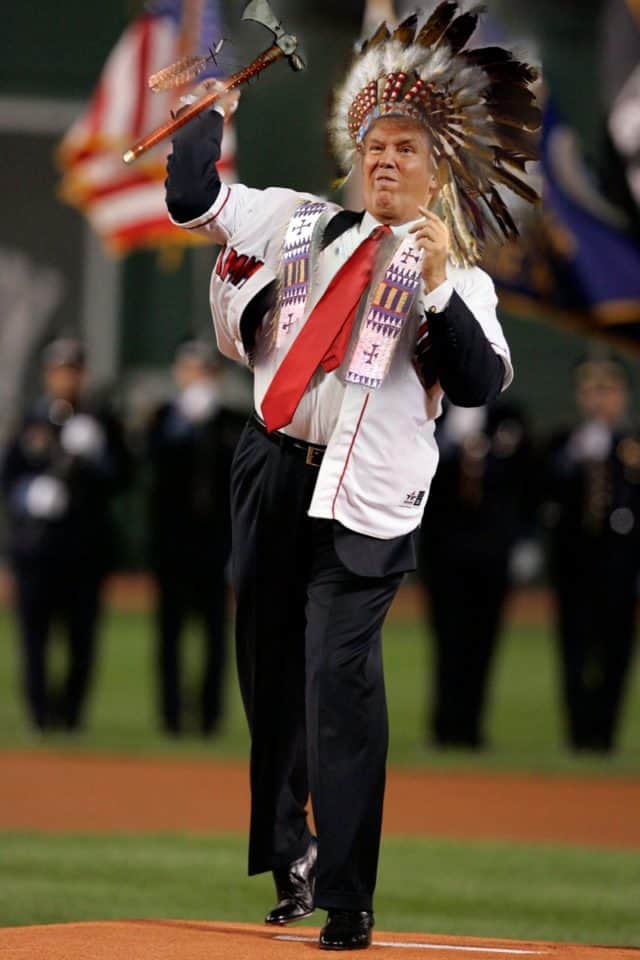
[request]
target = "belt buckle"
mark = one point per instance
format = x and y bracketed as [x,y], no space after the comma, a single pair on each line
[312,452]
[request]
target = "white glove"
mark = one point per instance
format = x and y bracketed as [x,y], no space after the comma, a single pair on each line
[46,497]
[82,436]
[591,441]
[464,422]
[525,562]
[198,401]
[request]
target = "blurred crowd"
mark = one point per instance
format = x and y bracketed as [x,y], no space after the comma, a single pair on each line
[504,509]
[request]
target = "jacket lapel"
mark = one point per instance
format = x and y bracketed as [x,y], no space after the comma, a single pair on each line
[338,224]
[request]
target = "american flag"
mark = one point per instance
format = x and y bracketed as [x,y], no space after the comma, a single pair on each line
[125,205]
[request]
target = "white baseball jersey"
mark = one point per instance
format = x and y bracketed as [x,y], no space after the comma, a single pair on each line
[381,453]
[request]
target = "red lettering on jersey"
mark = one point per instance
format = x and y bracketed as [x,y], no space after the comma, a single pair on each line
[236,268]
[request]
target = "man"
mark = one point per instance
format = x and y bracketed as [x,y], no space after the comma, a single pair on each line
[348,321]
[478,507]
[60,472]
[592,512]
[190,445]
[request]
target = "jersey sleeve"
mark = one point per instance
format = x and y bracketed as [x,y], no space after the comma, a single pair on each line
[198,201]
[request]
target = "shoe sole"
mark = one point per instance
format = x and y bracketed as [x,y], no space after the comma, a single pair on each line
[359,946]
[285,923]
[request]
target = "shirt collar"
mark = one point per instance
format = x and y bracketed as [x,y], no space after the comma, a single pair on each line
[369,223]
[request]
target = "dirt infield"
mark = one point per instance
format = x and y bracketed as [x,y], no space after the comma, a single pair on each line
[134,592]
[183,940]
[89,794]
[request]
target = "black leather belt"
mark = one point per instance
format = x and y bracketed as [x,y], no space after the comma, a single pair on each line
[311,453]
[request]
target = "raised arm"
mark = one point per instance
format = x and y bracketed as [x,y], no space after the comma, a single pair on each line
[248,222]
[193,183]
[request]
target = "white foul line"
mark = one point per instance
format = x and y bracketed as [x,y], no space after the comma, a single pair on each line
[431,946]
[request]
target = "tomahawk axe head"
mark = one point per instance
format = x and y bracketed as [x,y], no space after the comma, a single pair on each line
[261,12]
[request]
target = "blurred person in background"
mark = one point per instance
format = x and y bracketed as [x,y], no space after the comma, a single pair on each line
[591,510]
[60,471]
[476,512]
[190,445]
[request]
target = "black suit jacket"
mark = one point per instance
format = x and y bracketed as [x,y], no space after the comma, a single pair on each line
[371,557]
[456,352]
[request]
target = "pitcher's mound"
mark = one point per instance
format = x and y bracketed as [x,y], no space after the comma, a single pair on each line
[185,940]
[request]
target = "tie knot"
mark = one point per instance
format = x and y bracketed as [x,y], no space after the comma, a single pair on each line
[379,232]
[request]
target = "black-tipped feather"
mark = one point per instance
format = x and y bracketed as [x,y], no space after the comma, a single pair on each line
[511,71]
[516,184]
[522,142]
[405,32]
[482,56]
[498,92]
[493,227]
[473,214]
[500,211]
[513,104]
[513,159]
[381,35]
[460,31]
[437,23]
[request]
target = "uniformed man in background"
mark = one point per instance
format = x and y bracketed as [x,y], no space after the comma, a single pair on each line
[61,470]
[190,443]
[592,512]
[477,510]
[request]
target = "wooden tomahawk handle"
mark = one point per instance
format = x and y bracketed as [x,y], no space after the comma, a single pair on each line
[235,80]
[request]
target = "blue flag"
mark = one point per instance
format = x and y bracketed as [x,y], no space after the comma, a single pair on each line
[578,261]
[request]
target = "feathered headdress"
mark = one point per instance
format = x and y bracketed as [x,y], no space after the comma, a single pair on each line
[476,105]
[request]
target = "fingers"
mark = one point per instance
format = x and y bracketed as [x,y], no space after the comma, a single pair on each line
[228,100]
[206,86]
[430,248]
[430,236]
[431,223]
[429,214]
[424,226]
[233,97]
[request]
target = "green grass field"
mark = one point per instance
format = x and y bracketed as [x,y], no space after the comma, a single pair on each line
[484,889]
[470,889]
[525,723]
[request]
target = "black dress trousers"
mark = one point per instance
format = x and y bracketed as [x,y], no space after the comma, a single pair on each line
[595,587]
[68,593]
[310,668]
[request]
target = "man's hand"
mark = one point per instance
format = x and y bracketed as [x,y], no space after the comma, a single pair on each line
[432,236]
[228,101]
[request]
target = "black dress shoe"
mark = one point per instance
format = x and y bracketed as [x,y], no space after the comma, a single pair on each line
[295,886]
[347,930]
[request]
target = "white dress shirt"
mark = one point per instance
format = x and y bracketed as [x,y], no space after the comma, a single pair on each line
[381,452]
[318,411]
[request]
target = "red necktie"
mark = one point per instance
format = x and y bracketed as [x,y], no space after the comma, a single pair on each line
[325,335]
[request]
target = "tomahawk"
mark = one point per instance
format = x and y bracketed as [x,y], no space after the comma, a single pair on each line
[284,45]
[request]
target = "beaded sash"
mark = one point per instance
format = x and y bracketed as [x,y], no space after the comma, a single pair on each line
[296,266]
[387,308]
[387,311]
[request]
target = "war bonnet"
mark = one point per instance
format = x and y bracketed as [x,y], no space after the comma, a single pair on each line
[476,105]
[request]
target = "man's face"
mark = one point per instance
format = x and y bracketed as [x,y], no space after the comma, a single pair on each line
[190,370]
[397,170]
[605,401]
[64,381]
